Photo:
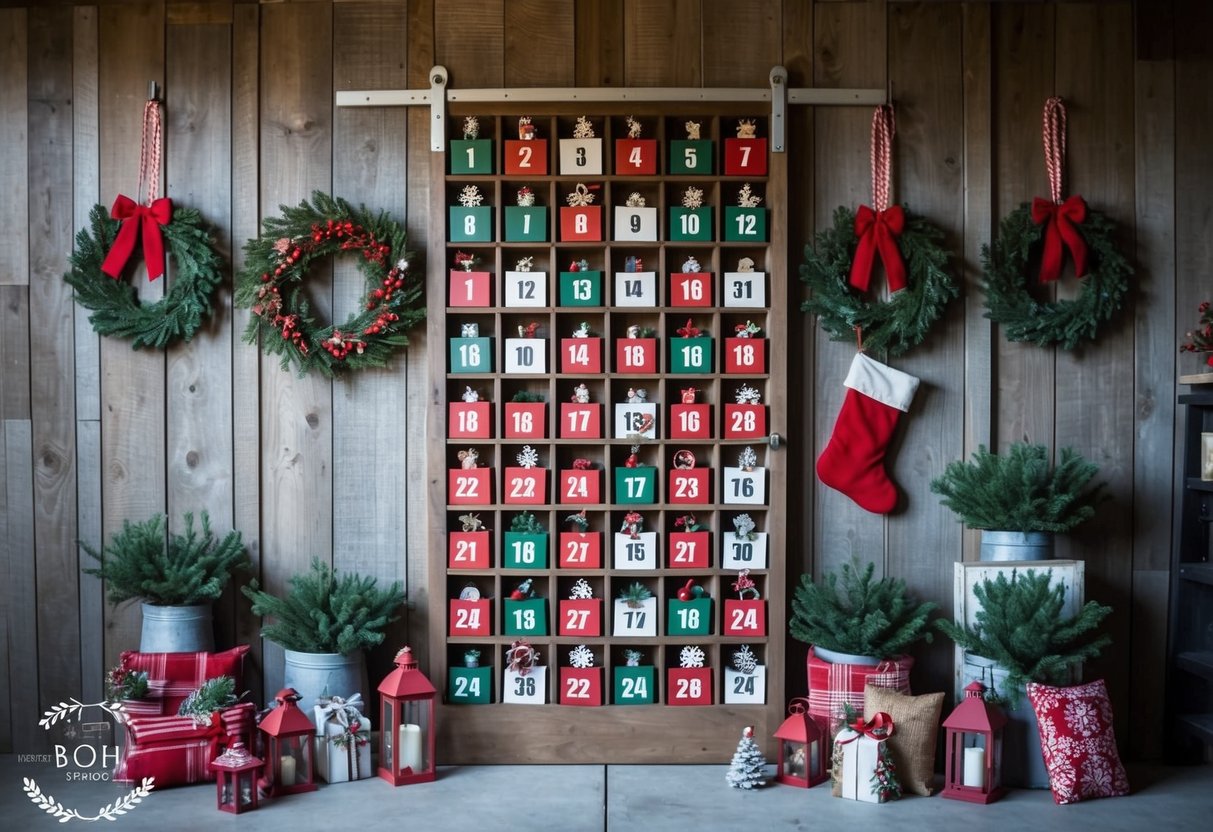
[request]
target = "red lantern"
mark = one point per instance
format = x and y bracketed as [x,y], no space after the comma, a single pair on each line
[973,749]
[289,746]
[236,775]
[406,736]
[804,752]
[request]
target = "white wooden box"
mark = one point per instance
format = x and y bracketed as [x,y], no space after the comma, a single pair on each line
[745,290]
[638,553]
[635,288]
[526,355]
[526,289]
[634,621]
[743,689]
[531,689]
[744,554]
[743,487]
[636,225]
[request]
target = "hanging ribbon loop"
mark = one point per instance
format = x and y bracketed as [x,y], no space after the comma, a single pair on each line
[1059,218]
[879,727]
[143,219]
[878,226]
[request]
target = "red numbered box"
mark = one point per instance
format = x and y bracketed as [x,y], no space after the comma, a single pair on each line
[689,686]
[581,223]
[526,157]
[689,550]
[526,486]
[581,355]
[690,421]
[577,486]
[745,355]
[580,550]
[581,686]
[690,486]
[471,288]
[580,617]
[635,157]
[636,355]
[745,157]
[525,420]
[470,487]
[745,618]
[469,420]
[468,550]
[691,289]
[580,421]
[470,618]
[745,421]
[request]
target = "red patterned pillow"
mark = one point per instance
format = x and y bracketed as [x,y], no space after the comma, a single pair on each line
[174,676]
[1078,742]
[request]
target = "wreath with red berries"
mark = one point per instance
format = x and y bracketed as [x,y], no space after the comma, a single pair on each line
[272,284]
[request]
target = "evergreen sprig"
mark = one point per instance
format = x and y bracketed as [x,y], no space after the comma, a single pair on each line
[214,695]
[177,570]
[1021,490]
[862,616]
[324,612]
[1020,627]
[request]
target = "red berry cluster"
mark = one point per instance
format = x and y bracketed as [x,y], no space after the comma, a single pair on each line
[352,237]
[382,298]
[339,346]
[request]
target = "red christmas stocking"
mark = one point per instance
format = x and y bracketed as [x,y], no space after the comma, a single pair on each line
[853,461]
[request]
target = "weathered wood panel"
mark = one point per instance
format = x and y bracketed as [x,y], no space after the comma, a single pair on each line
[469,40]
[25,697]
[14,262]
[662,44]
[741,42]
[598,39]
[539,42]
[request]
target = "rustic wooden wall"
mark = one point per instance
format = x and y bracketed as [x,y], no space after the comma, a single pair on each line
[92,433]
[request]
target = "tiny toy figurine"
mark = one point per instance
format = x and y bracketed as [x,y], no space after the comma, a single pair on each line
[528,457]
[747,459]
[578,521]
[471,522]
[470,196]
[583,129]
[471,128]
[743,527]
[470,395]
[526,129]
[524,264]
[634,127]
[691,266]
[688,394]
[747,330]
[525,197]
[633,524]
[746,198]
[467,459]
[633,460]
[633,264]
[469,330]
[522,591]
[633,331]
[466,261]
[745,264]
[637,395]
[581,394]
[692,197]
[692,128]
[745,587]
[747,395]
[582,330]
[582,265]
[635,200]
[686,523]
[580,196]
[747,129]
[528,330]
[632,658]
[684,460]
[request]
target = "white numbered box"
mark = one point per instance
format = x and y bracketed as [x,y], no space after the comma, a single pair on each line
[635,288]
[635,225]
[636,420]
[638,552]
[745,487]
[742,553]
[745,688]
[526,355]
[526,289]
[639,620]
[531,689]
[745,290]
[580,156]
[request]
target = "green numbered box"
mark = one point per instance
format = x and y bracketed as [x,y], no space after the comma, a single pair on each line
[691,355]
[528,617]
[745,225]
[581,288]
[472,355]
[526,551]
[689,618]
[691,224]
[471,156]
[471,225]
[636,485]
[526,224]
[469,685]
[693,156]
[635,685]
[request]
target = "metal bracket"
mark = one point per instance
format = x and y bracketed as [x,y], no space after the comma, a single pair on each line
[438,79]
[779,103]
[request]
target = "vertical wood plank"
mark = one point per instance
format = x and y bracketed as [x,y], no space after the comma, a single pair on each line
[469,40]
[52,384]
[246,363]
[14,406]
[14,194]
[843,57]
[742,40]
[539,41]
[296,413]
[662,44]
[22,620]
[598,36]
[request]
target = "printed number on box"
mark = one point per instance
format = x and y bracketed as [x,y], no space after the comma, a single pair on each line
[745,290]
[526,355]
[526,289]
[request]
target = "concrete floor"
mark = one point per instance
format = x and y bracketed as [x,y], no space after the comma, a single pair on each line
[634,798]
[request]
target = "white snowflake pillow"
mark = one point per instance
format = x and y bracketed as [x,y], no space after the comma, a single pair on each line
[1078,742]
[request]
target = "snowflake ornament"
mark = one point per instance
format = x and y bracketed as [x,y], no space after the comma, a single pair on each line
[743,527]
[693,128]
[692,197]
[471,128]
[747,460]
[580,196]
[744,660]
[524,264]
[747,395]
[691,656]
[528,457]
[691,266]
[635,200]
[581,590]
[470,196]
[525,197]
[581,657]
[746,198]
[634,128]
[583,129]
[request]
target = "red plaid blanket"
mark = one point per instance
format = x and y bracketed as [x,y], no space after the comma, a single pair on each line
[176,749]
[831,685]
[173,676]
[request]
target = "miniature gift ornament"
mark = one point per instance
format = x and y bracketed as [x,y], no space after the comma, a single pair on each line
[406,743]
[236,775]
[973,749]
[866,771]
[803,748]
[289,746]
[343,739]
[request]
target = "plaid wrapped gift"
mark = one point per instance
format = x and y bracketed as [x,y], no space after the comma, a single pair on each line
[831,685]
[177,750]
[171,677]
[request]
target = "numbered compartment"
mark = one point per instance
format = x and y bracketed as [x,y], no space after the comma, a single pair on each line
[745,157]
[474,156]
[527,157]
[635,421]
[635,224]
[689,550]
[469,420]
[745,618]
[745,355]
[470,487]
[580,550]
[691,421]
[581,223]
[470,618]
[526,355]
[745,225]
[745,421]
[581,686]
[745,487]
[745,289]
[580,487]
[469,550]
[635,157]
[470,224]
[526,550]
[525,486]
[688,618]
[471,355]
[524,420]
[634,618]
[690,486]
[580,421]
[581,355]
[469,685]
[745,688]
[580,157]
[691,156]
[580,618]
[743,552]
[634,552]
[691,289]
[634,685]
[637,288]
[691,355]
[581,288]
[635,486]
[526,617]
[470,289]
[689,686]
[690,225]
[636,355]
[528,289]
[528,689]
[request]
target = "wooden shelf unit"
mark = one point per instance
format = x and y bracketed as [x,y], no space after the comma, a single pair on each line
[498,732]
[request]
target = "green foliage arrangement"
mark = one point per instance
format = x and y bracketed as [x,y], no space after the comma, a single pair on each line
[635,593]
[1020,628]
[121,684]
[527,396]
[214,695]
[324,612]
[142,561]
[862,616]
[526,523]
[1021,490]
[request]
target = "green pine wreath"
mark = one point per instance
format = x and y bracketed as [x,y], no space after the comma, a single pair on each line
[271,284]
[894,325]
[1006,278]
[116,309]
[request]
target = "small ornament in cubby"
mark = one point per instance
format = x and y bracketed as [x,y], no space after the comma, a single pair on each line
[580,218]
[745,155]
[744,547]
[689,485]
[694,155]
[746,483]
[635,156]
[525,221]
[691,682]
[581,285]
[634,548]
[581,483]
[691,350]
[635,286]
[635,683]
[528,154]
[581,352]
[468,546]
[471,154]
[635,220]
[580,548]
[746,416]
[470,612]
[636,418]
[745,680]
[526,543]
[469,286]
[467,682]
[745,288]
[745,222]
[636,351]
[469,418]
[635,611]
[469,484]
[525,416]
[581,154]
[689,544]
[525,287]
[689,612]
[691,220]
[525,681]
[745,351]
[526,611]
[527,482]
[580,418]
[471,352]
[471,221]
[745,615]
[580,613]
[691,285]
[689,418]
[527,353]
[635,481]
[581,681]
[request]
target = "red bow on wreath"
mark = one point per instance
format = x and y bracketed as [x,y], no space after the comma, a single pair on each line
[1060,223]
[138,221]
[877,231]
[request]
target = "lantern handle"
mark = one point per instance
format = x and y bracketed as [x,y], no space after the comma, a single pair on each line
[798,705]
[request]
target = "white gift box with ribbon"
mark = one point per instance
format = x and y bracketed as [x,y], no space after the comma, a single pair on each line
[861,758]
[343,740]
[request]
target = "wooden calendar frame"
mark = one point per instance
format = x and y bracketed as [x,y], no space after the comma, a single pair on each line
[501,732]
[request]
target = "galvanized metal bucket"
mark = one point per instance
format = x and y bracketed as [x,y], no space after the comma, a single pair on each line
[1004,546]
[313,675]
[177,629]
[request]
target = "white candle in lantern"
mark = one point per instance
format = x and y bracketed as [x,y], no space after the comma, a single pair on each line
[410,747]
[286,770]
[975,767]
